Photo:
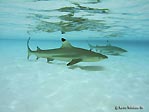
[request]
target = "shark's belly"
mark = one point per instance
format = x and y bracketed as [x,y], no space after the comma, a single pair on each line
[62,58]
[90,59]
[111,52]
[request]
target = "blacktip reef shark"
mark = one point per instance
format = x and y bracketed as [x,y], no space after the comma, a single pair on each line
[108,49]
[66,52]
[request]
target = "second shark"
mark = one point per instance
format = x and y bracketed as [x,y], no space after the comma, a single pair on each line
[108,49]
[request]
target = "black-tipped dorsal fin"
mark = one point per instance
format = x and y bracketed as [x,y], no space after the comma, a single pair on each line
[66,44]
[38,49]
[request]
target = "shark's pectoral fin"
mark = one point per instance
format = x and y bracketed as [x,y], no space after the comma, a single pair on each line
[74,61]
[49,59]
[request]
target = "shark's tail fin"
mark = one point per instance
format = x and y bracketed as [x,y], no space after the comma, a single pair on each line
[29,50]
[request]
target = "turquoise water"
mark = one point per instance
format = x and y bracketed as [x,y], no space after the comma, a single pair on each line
[37,86]
[106,86]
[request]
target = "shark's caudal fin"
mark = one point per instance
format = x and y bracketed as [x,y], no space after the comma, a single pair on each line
[29,50]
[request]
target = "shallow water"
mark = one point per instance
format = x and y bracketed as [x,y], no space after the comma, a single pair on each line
[104,86]
[35,86]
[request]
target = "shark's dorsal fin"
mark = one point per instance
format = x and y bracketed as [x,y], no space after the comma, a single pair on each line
[38,49]
[66,44]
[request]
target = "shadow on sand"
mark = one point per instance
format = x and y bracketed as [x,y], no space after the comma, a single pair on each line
[88,68]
